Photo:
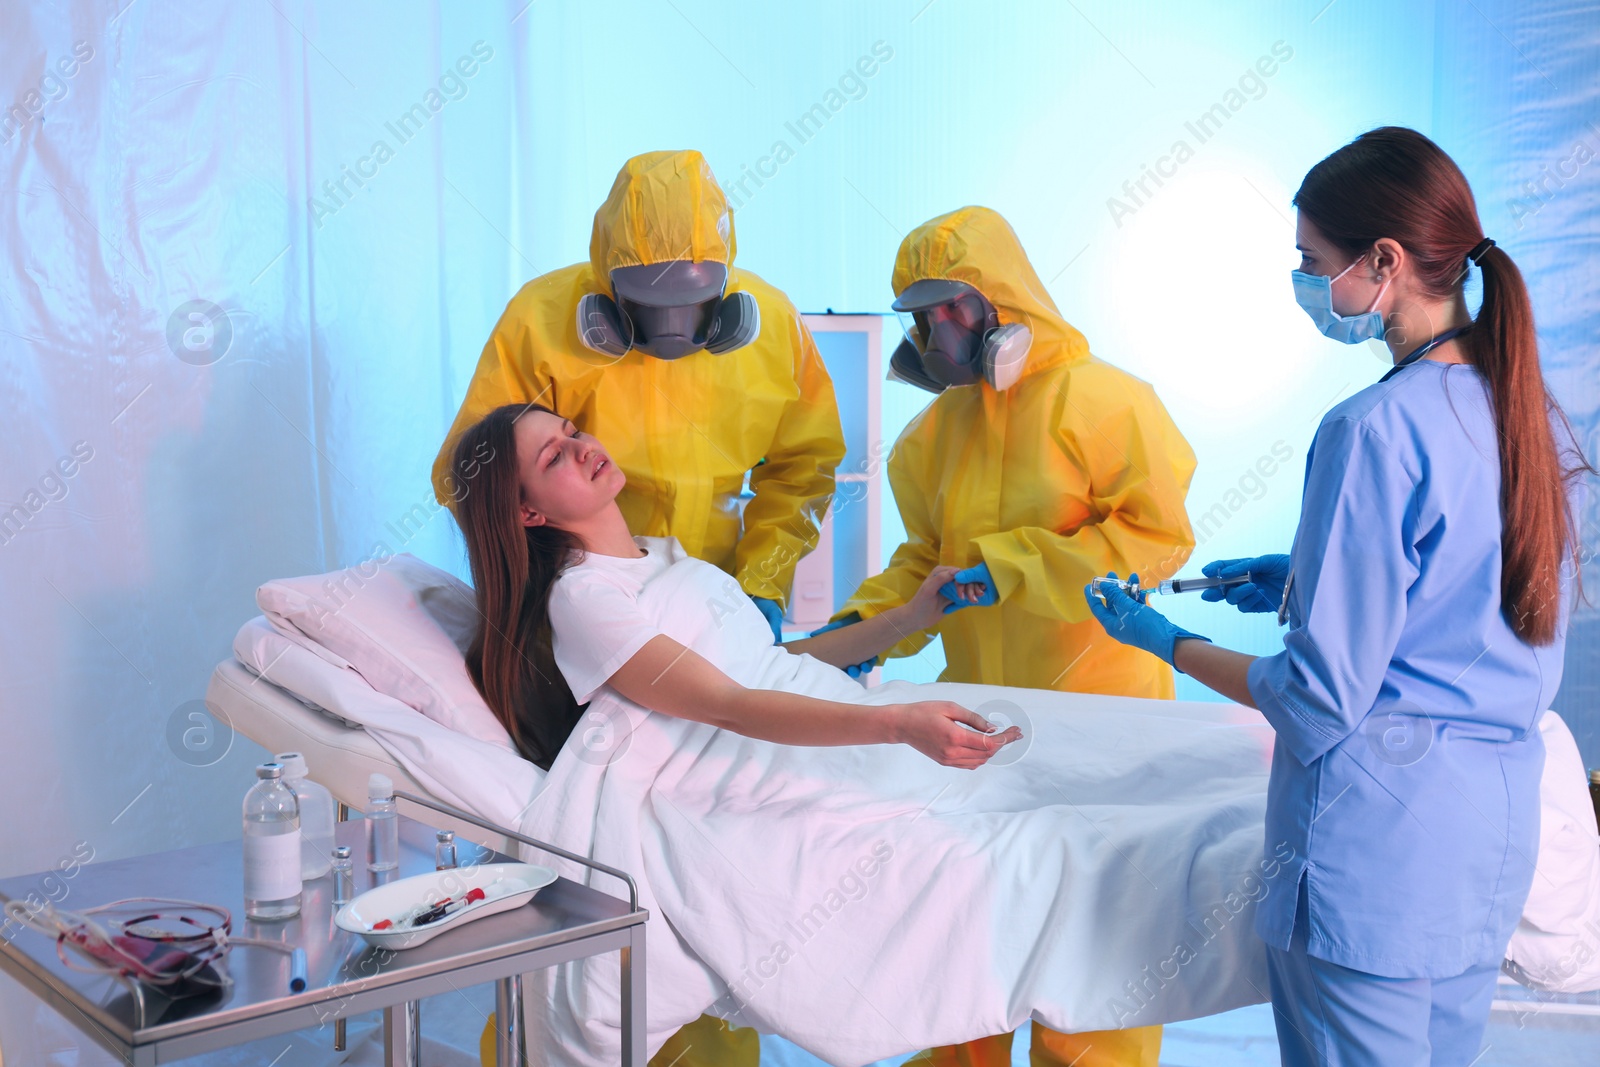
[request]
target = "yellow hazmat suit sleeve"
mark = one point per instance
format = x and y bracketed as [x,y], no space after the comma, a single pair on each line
[686,431]
[508,372]
[1074,470]
[794,485]
[1139,467]
[913,561]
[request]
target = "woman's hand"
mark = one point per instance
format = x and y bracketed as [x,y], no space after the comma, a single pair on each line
[934,728]
[1133,622]
[1264,590]
[856,642]
[926,607]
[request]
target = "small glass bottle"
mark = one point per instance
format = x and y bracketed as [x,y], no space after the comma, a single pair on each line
[344,876]
[445,851]
[271,848]
[316,815]
[383,825]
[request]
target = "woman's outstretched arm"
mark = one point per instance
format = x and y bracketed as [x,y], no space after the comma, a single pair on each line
[667,677]
[849,645]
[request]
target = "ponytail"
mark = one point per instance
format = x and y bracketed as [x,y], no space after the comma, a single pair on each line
[1538,529]
[1394,182]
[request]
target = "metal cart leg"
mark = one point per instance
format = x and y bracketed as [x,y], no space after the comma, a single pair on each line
[508,1044]
[402,1039]
[633,1026]
[508,996]
[343,814]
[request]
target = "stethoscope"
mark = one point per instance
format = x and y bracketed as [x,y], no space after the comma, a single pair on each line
[1448,335]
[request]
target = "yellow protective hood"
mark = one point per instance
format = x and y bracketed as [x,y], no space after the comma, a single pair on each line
[977,246]
[663,206]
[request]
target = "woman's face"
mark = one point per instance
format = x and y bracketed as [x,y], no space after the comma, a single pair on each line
[1355,292]
[565,475]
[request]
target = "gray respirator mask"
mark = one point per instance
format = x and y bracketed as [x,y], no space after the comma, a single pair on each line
[668,310]
[953,336]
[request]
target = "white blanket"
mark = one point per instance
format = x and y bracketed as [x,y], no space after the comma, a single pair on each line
[864,902]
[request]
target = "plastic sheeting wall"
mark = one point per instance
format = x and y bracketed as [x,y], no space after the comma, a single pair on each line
[1518,101]
[251,252]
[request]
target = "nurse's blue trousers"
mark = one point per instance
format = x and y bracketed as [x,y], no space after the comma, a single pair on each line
[1332,1016]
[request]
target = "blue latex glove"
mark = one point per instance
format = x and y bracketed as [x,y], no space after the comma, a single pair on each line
[980,573]
[1264,590]
[858,669]
[1133,622]
[774,616]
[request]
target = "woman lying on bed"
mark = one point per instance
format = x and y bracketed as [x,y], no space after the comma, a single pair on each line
[558,577]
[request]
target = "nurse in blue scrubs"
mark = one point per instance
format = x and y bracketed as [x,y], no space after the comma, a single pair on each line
[1426,597]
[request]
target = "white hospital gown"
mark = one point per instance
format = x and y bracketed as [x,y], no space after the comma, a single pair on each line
[604,609]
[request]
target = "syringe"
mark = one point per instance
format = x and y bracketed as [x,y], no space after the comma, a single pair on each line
[1173,585]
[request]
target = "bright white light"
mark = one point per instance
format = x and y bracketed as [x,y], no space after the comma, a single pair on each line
[1200,287]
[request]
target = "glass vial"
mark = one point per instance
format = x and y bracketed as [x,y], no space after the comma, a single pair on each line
[344,876]
[271,848]
[383,825]
[445,851]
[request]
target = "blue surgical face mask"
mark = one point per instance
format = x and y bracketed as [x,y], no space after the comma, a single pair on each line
[1314,293]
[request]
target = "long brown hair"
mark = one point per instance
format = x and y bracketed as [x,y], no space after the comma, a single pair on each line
[1394,182]
[511,659]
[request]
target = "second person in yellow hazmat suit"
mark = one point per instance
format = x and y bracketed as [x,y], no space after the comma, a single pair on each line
[1036,468]
[697,375]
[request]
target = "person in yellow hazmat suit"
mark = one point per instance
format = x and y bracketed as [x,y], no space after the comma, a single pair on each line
[697,375]
[1036,468]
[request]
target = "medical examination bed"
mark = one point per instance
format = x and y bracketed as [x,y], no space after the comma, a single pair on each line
[343,754]
[361,670]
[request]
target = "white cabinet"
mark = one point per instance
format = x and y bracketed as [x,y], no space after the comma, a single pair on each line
[849,549]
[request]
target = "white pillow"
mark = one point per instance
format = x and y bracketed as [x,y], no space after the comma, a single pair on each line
[401,624]
[1553,946]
